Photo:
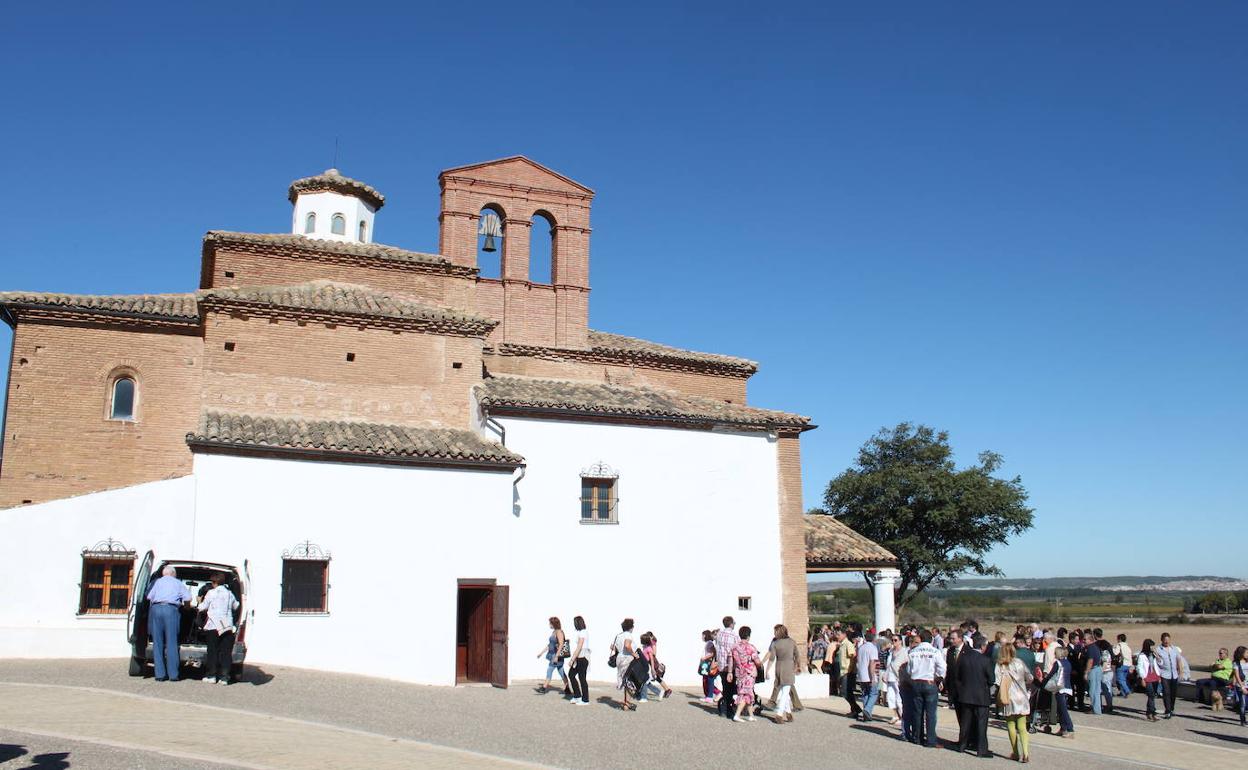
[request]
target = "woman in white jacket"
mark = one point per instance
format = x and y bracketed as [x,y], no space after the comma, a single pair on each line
[1144,667]
[1014,681]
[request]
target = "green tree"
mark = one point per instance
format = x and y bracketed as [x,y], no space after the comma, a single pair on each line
[905,493]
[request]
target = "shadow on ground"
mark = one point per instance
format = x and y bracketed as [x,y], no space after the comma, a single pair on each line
[52,761]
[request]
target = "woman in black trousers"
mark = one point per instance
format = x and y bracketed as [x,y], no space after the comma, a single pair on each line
[580,662]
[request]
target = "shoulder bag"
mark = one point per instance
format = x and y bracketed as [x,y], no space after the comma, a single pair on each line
[1054,683]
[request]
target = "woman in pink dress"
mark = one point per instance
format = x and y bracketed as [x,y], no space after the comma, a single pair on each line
[745,659]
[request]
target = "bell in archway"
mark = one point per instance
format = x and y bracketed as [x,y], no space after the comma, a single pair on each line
[492,229]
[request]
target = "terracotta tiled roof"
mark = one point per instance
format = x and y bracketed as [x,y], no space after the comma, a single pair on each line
[332,180]
[171,307]
[640,348]
[618,349]
[831,544]
[348,440]
[269,242]
[341,299]
[564,398]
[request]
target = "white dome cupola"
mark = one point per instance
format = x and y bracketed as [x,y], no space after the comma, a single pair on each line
[334,207]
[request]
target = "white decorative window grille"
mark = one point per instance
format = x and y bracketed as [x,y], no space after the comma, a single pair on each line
[600,494]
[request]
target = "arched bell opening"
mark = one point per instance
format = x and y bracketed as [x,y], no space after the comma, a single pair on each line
[542,248]
[491,230]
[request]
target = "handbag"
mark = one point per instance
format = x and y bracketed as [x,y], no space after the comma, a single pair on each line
[1054,683]
[1152,677]
[565,650]
[760,674]
[611,661]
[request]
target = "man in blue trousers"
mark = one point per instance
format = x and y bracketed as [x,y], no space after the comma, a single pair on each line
[164,617]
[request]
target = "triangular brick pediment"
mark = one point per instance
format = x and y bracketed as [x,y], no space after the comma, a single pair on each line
[518,170]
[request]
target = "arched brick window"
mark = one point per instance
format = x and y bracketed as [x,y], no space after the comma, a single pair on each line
[309,223]
[123,398]
[363,231]
[338,225]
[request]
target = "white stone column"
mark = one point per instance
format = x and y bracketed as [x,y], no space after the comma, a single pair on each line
[885,613]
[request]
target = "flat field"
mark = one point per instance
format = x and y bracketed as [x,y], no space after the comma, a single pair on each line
[1199,643]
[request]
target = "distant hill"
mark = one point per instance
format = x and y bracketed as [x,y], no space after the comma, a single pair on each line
[1184,583]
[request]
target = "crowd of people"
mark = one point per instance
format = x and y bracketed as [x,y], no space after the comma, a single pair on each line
[1031,680]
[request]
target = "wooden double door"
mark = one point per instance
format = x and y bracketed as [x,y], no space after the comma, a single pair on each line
[481,633]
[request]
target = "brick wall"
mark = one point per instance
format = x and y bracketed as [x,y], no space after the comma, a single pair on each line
[249,269]
[279,367]
[58,439]
[707,385]
[517,190]
[792,537]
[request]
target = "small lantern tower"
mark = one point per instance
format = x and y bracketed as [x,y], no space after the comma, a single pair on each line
[333,207]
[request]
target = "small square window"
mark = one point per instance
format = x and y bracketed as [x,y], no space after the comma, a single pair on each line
[599,500]
[743,603]
[457,365]
[229,273]
[304,585]
[105,587]
[229,346]
[350,356]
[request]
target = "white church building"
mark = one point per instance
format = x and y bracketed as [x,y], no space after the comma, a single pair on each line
[410,465]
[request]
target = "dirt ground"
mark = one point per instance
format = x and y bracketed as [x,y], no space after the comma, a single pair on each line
[1199,643]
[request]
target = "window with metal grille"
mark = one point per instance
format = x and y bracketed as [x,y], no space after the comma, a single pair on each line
[304,585]
[105,586]
[599,498]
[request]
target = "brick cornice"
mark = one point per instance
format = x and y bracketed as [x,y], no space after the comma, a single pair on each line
[470,182]
[447,327]
[32,313]
[620,357]
[325,252]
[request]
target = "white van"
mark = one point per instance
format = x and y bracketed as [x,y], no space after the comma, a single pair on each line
[192,647]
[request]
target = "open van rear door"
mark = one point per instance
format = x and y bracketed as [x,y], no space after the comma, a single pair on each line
[244,606]
[138,594]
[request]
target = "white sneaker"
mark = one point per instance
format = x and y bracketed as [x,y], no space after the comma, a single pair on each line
[223,681]
[749,719]
[582,703]
[737,719]
[210,679]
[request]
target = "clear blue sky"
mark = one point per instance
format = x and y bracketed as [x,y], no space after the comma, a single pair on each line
[1023,224]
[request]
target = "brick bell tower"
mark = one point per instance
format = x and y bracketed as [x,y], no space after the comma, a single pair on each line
[519,193]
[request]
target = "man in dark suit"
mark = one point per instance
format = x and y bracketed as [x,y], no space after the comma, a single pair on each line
[975,677]
[952,651]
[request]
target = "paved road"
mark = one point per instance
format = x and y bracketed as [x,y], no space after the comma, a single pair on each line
[293,718]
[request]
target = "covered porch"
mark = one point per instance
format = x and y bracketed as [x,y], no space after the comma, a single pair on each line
[833,547]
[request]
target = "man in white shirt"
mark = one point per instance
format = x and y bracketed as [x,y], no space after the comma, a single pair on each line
[926,668]
[868,663]
[1122,655]
[219,604]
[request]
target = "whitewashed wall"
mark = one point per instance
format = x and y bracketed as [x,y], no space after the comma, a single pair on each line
[325,204]
[41,562]
[698,528]
[399,539]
